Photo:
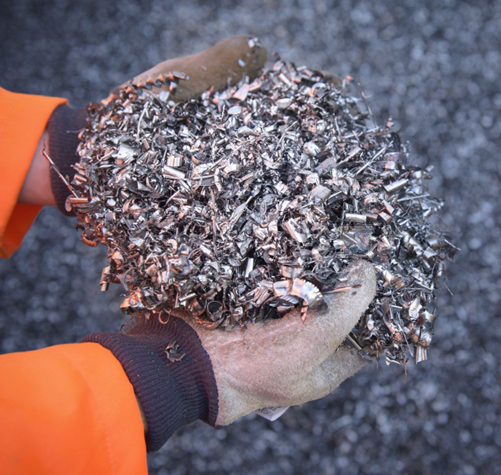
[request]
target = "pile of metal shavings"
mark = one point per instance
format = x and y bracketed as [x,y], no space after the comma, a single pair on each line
[245,204]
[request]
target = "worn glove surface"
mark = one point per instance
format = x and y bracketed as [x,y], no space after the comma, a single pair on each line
[181,371]
[223,64]
[219,66]
[287,362]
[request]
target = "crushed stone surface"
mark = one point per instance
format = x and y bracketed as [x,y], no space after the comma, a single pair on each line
[434,67]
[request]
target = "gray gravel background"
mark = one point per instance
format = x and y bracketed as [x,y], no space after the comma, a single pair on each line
[434,66]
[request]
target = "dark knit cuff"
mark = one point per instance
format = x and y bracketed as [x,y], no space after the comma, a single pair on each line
[171,374]
[64,127]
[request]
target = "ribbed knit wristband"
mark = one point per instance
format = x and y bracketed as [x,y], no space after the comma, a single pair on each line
[172,391]
[63,127]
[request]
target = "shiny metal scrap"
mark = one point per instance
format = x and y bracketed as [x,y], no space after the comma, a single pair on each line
[245,204]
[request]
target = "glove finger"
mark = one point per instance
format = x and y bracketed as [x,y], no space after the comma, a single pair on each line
[321,332]
[338,367]
[344,309]
[219,66]
[323,379]
[292,342]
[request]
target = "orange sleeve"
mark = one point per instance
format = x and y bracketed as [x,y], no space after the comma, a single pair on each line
[69,409]
[23,119]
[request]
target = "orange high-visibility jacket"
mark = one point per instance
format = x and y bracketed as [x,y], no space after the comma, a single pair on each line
[67,409]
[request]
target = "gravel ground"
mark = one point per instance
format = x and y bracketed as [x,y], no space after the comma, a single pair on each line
[432,66]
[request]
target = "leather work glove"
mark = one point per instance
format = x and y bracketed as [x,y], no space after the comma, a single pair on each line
[182,371]
[220,66]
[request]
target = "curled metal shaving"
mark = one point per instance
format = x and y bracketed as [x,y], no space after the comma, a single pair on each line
[245,204]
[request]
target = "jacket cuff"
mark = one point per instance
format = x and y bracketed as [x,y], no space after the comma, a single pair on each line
[23,119]
[64,128]
[171,374]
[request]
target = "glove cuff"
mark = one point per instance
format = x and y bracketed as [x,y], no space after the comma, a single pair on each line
[174,387]
[64,127]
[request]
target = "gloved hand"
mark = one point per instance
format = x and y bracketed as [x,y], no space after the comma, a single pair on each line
[221,65]
[182,371]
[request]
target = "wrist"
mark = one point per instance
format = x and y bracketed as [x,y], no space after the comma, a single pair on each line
[36,188]
[173,391]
